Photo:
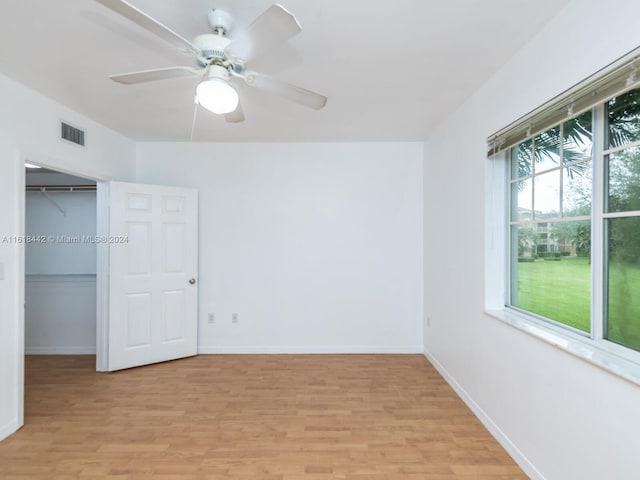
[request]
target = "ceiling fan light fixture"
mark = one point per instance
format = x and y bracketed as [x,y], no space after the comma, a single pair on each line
[215,94]
[222,60]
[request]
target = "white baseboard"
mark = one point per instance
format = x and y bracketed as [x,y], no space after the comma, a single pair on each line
[529,468]
[243,350]
[60,350]
[351,349]
[8,429]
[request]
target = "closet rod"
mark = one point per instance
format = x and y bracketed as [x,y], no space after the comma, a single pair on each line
[61,188]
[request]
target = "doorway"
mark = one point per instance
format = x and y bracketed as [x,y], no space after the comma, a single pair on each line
[170,203]
[60,262]
[137,246]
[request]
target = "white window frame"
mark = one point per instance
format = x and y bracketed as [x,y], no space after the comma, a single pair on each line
[591,347]
[510,222]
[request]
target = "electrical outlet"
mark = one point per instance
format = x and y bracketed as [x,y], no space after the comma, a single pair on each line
[212,318]
[235,318]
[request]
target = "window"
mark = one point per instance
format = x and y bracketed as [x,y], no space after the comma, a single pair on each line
[551,260]
[573,217]
[551,223]
[621,243]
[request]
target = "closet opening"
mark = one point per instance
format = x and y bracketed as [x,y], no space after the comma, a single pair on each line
[60,263]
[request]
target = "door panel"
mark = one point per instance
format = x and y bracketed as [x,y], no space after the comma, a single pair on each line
[174,305]
[173,247]
[138,320]
[152,257]
[139,248]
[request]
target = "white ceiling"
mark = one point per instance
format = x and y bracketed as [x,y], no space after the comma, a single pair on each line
[391,69]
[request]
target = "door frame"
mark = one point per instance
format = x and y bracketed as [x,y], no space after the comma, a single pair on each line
[102,276]
[102,256]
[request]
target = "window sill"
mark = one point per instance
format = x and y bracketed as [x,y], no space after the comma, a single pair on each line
[581,347]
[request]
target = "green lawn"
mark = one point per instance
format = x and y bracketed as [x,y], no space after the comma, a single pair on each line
[560,290]
[624,305]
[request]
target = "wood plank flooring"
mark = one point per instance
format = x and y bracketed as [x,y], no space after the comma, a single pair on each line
[253,417]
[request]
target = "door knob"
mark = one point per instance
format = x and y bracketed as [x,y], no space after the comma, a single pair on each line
[192,281]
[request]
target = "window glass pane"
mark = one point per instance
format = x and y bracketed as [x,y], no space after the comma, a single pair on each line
[577,138]
[576,190]
[623,174]
[521,200]
[521,160]
[623,115]
[525,239]
[552,277]
[547,150]
[546,198]
[623,285]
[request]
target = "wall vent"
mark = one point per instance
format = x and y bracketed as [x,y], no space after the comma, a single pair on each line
[72,134]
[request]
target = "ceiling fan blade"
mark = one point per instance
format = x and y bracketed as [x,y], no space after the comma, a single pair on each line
[276,25]
[145,21]
[236,116]
[155,74]
[285,90]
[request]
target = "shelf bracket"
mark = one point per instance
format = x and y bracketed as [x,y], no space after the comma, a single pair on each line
[43,190]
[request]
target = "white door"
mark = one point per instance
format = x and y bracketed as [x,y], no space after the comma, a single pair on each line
[153,261]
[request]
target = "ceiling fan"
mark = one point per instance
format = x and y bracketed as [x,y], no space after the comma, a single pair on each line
[221,61]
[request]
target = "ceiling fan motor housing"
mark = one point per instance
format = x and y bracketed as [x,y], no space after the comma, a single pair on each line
[212,46]
[212,50]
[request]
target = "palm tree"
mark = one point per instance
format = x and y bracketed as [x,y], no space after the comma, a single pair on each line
[575,136]
[623,115]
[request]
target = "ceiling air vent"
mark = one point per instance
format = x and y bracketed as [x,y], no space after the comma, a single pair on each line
[72,134]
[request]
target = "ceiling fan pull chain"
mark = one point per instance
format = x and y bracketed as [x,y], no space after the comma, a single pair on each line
[195,114]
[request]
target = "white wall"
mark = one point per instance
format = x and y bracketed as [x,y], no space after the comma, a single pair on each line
[42,177]
[43,219]
[30,129]
[562,417]
[60,314]
[318,247]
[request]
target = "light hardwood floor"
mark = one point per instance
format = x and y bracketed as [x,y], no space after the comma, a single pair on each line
[253,417]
